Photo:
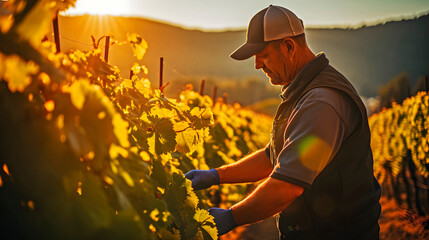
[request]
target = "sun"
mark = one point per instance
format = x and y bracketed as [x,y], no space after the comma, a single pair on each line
[100,7]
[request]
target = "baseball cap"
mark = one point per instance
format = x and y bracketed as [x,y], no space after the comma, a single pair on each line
[271,23]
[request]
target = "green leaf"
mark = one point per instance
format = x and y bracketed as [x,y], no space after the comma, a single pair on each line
[163,140]
[187,141]
[191,198]
[213,159]
[164,234]
[176,193]
[160,174]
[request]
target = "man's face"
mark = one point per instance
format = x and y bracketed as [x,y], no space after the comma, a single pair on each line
[274,64]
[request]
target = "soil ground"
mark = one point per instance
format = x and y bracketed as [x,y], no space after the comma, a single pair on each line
[395,223]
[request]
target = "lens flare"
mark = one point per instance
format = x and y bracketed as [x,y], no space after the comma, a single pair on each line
[312,148]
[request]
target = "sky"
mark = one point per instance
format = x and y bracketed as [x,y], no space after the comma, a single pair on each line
[235,14]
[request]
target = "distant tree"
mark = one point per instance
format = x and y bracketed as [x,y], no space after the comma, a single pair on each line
[396,90]
[421,85]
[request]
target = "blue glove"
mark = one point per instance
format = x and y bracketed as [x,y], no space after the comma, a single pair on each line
[203,178]
[223,219]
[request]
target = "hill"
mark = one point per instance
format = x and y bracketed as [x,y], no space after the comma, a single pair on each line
[369,56]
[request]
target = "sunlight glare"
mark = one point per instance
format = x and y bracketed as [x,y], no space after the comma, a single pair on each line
[100,7]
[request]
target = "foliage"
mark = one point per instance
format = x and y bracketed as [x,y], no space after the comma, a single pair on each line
[88,154]
[396,130]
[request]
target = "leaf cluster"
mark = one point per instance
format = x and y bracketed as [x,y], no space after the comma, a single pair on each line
[399,129]
[88,154]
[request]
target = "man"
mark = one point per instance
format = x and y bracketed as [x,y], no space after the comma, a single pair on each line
[318,163]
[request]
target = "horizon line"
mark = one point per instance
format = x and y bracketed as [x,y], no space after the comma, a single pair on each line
[231,29]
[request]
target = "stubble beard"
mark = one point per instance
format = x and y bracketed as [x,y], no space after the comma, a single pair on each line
[276,80]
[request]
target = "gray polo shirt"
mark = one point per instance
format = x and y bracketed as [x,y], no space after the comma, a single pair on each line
[321,120]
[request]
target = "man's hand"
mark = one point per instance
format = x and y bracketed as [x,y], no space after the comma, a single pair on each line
[223,219]
[202,179]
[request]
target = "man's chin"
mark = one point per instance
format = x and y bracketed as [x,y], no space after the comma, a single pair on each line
[276,81]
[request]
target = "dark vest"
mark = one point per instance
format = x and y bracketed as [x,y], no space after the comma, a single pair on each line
[343,201]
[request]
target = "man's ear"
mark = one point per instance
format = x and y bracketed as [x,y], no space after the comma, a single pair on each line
[289,46]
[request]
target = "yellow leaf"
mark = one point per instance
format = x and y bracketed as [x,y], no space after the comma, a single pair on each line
[114,168]
[212,231]
[17,72]
[162,190]
[136,68]
[165,216]
[77,93]
[143,86]
[145,70]
[79,188]
[36,23]
[145,156]
[191,198]
[138,44]
[134,150]
[196,111]
[127,83]
[120,128]
[108,180]
[202,216]
[6,22]
[127,178]
[165,157]
[154,215]
[115,151]
[44,78]
[187,141]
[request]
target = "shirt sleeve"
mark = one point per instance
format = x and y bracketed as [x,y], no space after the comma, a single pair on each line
[267,150]
[313,136]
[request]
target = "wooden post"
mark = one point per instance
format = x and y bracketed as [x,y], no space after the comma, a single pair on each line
[214,94]
[225,98]
[57,33]
[161,69]
[203,81]
[106,49]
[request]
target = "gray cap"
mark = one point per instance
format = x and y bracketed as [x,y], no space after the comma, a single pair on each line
[272,23]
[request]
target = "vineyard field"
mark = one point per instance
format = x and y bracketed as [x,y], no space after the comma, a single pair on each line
[89,152]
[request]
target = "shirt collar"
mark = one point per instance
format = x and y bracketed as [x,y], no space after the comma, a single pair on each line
[310,66]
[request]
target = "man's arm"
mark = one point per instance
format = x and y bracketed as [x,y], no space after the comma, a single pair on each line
[252,168]
[270,198]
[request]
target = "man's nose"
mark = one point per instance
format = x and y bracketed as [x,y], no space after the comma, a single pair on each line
[258,63]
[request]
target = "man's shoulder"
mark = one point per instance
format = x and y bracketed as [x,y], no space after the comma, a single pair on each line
[329,72]
[331,96]
[337,100]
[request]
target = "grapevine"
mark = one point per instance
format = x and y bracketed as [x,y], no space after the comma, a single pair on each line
[398,129]
[87,153]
